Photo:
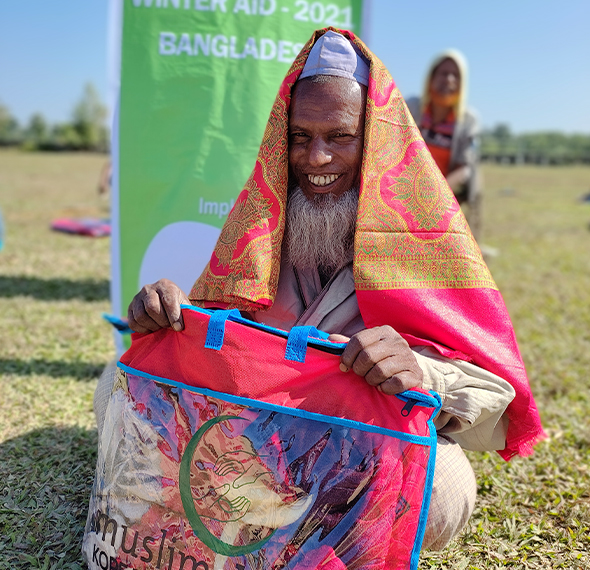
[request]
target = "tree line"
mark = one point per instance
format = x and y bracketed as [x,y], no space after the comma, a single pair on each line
[499,144]
[85,131]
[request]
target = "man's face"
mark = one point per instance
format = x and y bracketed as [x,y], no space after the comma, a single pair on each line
[446,78]
[326,135]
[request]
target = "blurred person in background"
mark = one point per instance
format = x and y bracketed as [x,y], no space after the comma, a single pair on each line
[105,179]
[450,130]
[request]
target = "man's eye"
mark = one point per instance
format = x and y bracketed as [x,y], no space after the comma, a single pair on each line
[298,136]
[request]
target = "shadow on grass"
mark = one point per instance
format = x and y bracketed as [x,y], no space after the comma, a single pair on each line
[46,477]
[54,289]
[53,368]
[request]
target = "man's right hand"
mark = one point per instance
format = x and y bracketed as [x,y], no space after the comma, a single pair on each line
[157,306]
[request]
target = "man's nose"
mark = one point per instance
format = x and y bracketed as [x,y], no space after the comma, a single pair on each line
[319,153]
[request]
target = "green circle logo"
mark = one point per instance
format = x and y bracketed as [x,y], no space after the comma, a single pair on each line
[229,464]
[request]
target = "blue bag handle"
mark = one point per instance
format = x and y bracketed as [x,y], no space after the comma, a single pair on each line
[297,342]
[297,338]
[216,328]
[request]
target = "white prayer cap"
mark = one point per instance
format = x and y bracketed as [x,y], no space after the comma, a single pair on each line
[333,54]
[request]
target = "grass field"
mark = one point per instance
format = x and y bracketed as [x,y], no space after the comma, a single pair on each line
[531,513]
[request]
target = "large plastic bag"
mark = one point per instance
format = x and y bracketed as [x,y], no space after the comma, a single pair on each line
[231,445]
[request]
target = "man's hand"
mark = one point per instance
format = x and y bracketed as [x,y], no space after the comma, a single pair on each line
[156,307]
[383,357]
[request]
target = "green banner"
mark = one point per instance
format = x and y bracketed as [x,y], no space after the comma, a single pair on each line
[198,78]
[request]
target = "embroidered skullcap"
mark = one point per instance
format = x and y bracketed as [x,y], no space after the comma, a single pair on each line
[333,54]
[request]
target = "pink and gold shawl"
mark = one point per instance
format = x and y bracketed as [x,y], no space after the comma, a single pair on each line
[416,264]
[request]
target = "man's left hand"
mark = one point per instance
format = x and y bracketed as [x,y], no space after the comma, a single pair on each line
[382,357]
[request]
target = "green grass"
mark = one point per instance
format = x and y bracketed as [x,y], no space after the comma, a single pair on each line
[531,513]
[54,344]
[535,512]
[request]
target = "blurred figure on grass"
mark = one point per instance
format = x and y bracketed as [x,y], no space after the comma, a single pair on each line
[105,179]
[450,130]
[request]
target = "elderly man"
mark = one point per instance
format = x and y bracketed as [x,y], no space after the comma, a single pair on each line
[347,225]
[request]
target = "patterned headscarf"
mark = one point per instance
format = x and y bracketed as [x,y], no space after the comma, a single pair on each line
[416,264]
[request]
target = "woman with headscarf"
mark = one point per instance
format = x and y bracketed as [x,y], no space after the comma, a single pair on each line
[450,129]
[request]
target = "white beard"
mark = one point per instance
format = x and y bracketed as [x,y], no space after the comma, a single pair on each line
[320,232]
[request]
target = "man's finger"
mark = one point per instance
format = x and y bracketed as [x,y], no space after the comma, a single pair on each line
[382,356]
[351,351]
[139,320]
[390,367]
[171,303]
[171,297]
[399,383]
[338,338]
[360,341]
[152,303]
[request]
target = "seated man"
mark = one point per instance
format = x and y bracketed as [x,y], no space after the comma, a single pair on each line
[346,224]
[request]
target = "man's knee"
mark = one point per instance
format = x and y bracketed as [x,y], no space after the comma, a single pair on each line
[453,495]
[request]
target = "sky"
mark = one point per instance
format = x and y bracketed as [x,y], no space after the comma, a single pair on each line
[529,60]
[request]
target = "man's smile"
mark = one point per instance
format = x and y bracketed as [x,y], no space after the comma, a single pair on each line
[322,180]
